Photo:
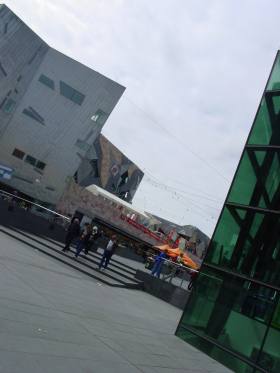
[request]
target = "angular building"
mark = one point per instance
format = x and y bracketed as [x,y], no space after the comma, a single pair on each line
[107,167]
[233,313]
[52,109]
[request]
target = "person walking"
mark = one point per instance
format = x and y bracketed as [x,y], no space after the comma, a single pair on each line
[83,241]
[108,252]
[72,233]
[159,260]
[95,234]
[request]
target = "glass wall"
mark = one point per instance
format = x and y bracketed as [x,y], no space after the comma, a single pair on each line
[233,313]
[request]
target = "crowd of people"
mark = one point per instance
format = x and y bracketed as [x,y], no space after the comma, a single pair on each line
[85,238]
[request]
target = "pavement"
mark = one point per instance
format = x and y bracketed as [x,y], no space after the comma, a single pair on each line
[56,319]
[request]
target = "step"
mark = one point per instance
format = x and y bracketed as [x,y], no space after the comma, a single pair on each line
[113,263]
[122,277]
[77,264]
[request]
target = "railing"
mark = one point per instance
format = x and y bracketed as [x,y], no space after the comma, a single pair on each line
[175,273]
[13,199]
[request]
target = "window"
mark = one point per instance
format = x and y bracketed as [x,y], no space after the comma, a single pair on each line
[71,93]
[2,71]
[32,113]
[47,81]
[18,153]
[30,160]
[40,165]
[9,106]
[50,188]
[99,117]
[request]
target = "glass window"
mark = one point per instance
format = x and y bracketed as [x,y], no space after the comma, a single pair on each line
[225,358]
[100,117]
[245,242]
[265,127]
[274,80]
[270,356]
[40,165]
[231,311]
[18,153]
[30,160]
[257,180]
[47,81]
[9,106]
[32,113]
[3,72]
[71,93]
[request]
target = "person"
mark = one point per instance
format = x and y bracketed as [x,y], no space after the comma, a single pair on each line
[194,275]
[175,270]
[72,233]
[108,252]
[157,267]
[84,238]
[93,237]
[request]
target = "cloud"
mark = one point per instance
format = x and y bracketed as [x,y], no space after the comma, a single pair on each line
[194,73]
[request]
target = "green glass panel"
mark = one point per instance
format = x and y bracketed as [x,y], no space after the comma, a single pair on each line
[231,311]
[266,124]
[244,182]
[225,358]
[274,80]
[270,356]
[245,242]
[272,181]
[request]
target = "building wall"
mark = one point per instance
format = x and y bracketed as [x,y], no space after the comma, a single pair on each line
[21,52]
[233,311]
[107,167]
[61,110]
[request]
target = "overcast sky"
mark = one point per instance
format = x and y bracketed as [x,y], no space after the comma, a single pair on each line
[194,73]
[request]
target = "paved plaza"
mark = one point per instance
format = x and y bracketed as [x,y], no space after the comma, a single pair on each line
[56,319]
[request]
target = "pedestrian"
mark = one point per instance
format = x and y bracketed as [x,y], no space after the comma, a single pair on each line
[159,260]
[108,252]
[95,234]
[84,238]
[72,233]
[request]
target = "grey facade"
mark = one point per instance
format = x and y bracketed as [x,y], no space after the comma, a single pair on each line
[50,105]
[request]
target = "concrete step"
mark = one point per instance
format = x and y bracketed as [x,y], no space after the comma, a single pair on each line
[83,265]
[97,255]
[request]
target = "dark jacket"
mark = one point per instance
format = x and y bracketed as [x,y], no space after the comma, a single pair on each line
[74,230]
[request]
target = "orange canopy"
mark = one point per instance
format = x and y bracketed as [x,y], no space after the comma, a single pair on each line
[173,253]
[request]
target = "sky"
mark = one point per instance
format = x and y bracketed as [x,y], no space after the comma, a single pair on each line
[194,72]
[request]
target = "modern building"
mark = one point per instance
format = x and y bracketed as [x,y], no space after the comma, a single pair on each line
[106,166]
[233,313]
[52,109]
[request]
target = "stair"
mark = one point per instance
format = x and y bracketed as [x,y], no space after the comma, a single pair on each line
[117,274]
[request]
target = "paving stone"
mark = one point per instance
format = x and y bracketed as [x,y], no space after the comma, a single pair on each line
[52,320]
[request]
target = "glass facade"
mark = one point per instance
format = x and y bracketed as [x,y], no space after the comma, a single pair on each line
[233,313]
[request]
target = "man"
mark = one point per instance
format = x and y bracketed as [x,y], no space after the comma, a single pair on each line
[84,239]
[108,252]
[159,260]
[72,233]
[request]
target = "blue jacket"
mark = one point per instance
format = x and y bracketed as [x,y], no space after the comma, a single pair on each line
[160,257]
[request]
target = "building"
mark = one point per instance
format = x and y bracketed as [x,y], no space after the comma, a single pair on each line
[52,109]
[106,166]
[233,313]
